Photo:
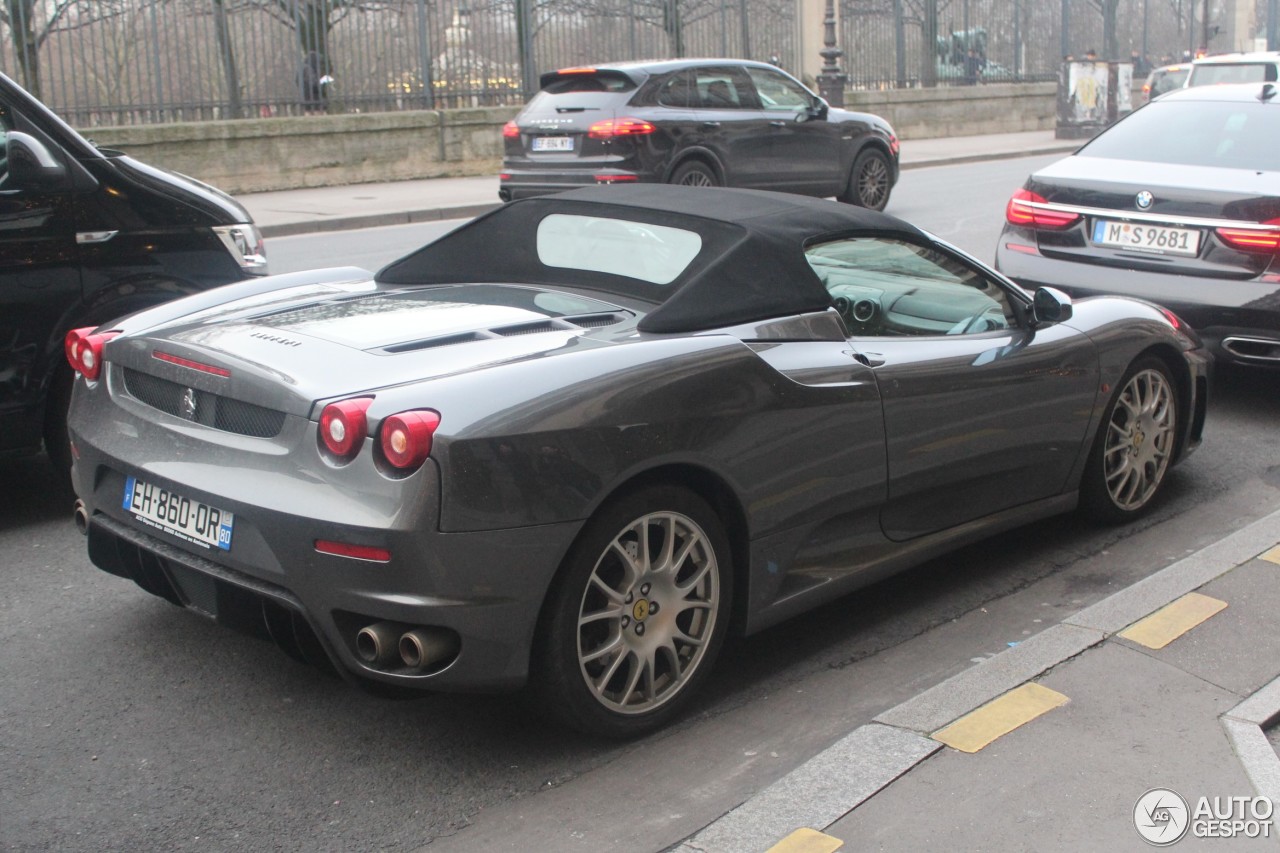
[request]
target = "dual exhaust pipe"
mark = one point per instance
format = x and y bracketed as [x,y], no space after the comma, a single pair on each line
[387,643]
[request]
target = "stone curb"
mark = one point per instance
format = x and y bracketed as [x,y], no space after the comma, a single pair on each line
[466,211]
[788,804]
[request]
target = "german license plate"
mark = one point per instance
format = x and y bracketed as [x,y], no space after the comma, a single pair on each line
[1146,238]
[553,143]
[191,520]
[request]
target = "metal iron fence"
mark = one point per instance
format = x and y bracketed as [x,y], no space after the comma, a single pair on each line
[113,62]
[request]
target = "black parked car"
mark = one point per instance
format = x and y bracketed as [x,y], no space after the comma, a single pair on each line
[1178,203]
[87,235]
[703,122]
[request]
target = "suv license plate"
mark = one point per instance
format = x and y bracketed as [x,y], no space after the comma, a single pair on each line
[553,143]
[193,521]
[1146,238]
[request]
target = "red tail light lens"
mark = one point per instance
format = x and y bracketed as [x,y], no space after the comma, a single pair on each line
[620,127]
[343,426]
[510,131]
[616,179]
[894,145]
[1020,211]
[1253,239]
[84,350]
[406,437]
[355,552]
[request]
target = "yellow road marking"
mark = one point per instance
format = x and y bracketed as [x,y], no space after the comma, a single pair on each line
[1272,556]
[1000,716]
[1173,620]
[807,840]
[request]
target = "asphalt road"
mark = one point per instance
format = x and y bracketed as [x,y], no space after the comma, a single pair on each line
[127,724]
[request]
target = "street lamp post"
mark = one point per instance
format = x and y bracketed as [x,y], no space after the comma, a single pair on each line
[831,81]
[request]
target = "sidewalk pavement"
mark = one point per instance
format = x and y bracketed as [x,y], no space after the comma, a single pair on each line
[1168,684]
[289,212]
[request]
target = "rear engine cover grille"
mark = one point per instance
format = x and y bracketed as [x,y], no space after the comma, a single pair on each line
[203,407]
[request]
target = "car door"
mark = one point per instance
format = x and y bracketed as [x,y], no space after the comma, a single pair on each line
[804,149]
[39,282]
[982,413]
[732,124]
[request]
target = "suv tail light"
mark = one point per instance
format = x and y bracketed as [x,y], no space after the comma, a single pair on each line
[510,130]
[1021,210]
[406,437]
[84,350]
[620,127]
[1260,239]
[343,426]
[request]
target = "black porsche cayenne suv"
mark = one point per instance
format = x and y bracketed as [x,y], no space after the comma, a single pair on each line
[705,122]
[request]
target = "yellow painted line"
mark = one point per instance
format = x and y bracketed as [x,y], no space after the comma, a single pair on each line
[807,841]
[1000,716]
[1272,556]
[1173,620]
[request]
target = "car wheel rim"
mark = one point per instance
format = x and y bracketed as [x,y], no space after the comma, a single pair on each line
[872,182]
[648,613]
[1139,440]
[696,179]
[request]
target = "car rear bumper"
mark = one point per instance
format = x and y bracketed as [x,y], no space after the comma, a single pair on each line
[517,184]
[479,592]
[1238,319]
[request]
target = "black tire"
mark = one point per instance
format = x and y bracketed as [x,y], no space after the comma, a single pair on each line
[869,180]
[695,173]
[638,665]
[1133,449]
[57,442]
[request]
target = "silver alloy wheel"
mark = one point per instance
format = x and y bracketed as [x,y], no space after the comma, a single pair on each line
[648,612]
[873,182]
[1139,442]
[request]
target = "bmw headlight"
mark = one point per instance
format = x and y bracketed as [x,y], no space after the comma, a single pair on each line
[245,245]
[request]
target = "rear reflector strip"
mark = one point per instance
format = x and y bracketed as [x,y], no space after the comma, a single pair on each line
[186,362]
[355,552]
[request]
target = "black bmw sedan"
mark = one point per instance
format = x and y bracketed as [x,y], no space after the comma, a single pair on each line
[1178,203]
[697,122]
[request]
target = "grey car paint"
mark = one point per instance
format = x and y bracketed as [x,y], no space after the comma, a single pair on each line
[780,423]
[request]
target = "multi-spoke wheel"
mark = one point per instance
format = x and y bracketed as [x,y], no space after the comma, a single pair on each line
[1135,444]
[695,173]
[638,614]
[869,181]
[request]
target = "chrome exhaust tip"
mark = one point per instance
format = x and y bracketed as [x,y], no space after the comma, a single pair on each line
[377,644]
[1253,349]
[425,647]
[81,516]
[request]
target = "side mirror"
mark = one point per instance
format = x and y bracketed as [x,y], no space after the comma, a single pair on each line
[1050,306]
[820,108]
[31,165]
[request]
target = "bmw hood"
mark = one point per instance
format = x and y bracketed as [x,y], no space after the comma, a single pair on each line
[290,347]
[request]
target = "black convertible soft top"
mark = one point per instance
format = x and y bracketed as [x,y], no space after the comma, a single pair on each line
[751,265]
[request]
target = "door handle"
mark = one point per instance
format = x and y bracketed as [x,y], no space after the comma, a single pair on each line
[91,237]
[711,124]
[777,123]
[870,359]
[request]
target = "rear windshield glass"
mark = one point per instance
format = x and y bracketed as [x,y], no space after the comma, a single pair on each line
[1238,135]
[653,253]
[604,81]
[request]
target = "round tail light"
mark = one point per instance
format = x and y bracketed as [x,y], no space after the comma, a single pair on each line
[343,426]
[84,350]
[406,437]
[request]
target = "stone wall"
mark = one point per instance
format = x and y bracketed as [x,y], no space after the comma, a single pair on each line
[257,155]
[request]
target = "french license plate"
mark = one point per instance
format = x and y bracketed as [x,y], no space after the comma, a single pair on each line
[191,520]
[1146,238]
[553,143]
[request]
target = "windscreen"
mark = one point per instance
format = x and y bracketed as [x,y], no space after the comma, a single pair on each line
[1233,135]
